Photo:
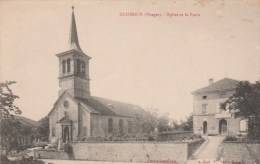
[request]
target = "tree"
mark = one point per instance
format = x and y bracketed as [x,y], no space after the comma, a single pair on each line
[10,128]
[7,97]
[10,131]
[175,125]
[43,129]
[183,125]
[245,103]
[145,122]
[163,124]
[187,125]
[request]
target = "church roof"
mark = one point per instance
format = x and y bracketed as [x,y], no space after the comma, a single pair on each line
[74,46]
[221,85]
[74,41]
[110,107]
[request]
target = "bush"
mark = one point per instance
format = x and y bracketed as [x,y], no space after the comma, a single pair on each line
[196,136]
[230,138]
[151,138]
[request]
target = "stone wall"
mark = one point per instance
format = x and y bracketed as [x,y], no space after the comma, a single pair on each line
[151,152]
[51,154]
[131,152]
[240,152]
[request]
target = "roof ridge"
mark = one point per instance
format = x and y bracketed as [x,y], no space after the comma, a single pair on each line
[220,85]
[115,101]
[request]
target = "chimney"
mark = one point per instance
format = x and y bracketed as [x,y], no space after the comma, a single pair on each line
[211,81]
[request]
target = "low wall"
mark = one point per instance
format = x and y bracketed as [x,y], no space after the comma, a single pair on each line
[151,152]
[241,152]
[51,154]
[131,152]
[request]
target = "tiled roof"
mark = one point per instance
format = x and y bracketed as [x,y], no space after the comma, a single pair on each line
[110,107]
[221,85]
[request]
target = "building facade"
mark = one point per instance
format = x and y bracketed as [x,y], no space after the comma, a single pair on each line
[208,116]
[76,114]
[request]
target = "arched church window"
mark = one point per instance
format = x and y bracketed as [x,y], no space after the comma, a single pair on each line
[110,125]
[130,125]
[63,66]
[121,127]
[78,66]
[68,65]
[243,125]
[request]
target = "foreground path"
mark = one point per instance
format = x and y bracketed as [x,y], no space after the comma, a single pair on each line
[209,151]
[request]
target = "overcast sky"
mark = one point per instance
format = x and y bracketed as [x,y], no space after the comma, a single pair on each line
[149,61]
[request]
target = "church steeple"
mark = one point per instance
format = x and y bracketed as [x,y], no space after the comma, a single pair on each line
[74,67]
[74,42]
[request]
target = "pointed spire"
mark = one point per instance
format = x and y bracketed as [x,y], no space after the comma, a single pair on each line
[74,42]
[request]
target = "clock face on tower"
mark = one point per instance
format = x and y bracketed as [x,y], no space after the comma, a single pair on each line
[66,104]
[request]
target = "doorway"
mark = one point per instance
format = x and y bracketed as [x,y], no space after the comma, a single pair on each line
[205,127]
[65,134]
[223,126]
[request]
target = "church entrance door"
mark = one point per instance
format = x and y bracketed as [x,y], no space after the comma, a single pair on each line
[66,135]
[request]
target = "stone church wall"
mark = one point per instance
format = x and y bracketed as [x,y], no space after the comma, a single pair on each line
[84,119]
[59,113]
[99,124]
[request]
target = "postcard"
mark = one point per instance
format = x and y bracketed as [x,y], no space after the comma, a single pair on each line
[130,81]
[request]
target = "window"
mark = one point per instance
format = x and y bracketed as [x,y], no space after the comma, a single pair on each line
[110,125]
[78,66]
[130,125]
[68,65]
[204,97]
[121,127]
[243,125]
[204,108]
[83,67]
[219,108]
[63,66]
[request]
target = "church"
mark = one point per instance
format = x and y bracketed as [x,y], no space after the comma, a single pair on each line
[76,114]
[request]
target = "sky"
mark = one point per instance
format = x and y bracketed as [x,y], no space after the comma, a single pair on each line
[154,62]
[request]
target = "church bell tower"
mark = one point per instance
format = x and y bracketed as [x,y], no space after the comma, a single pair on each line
[74,67]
